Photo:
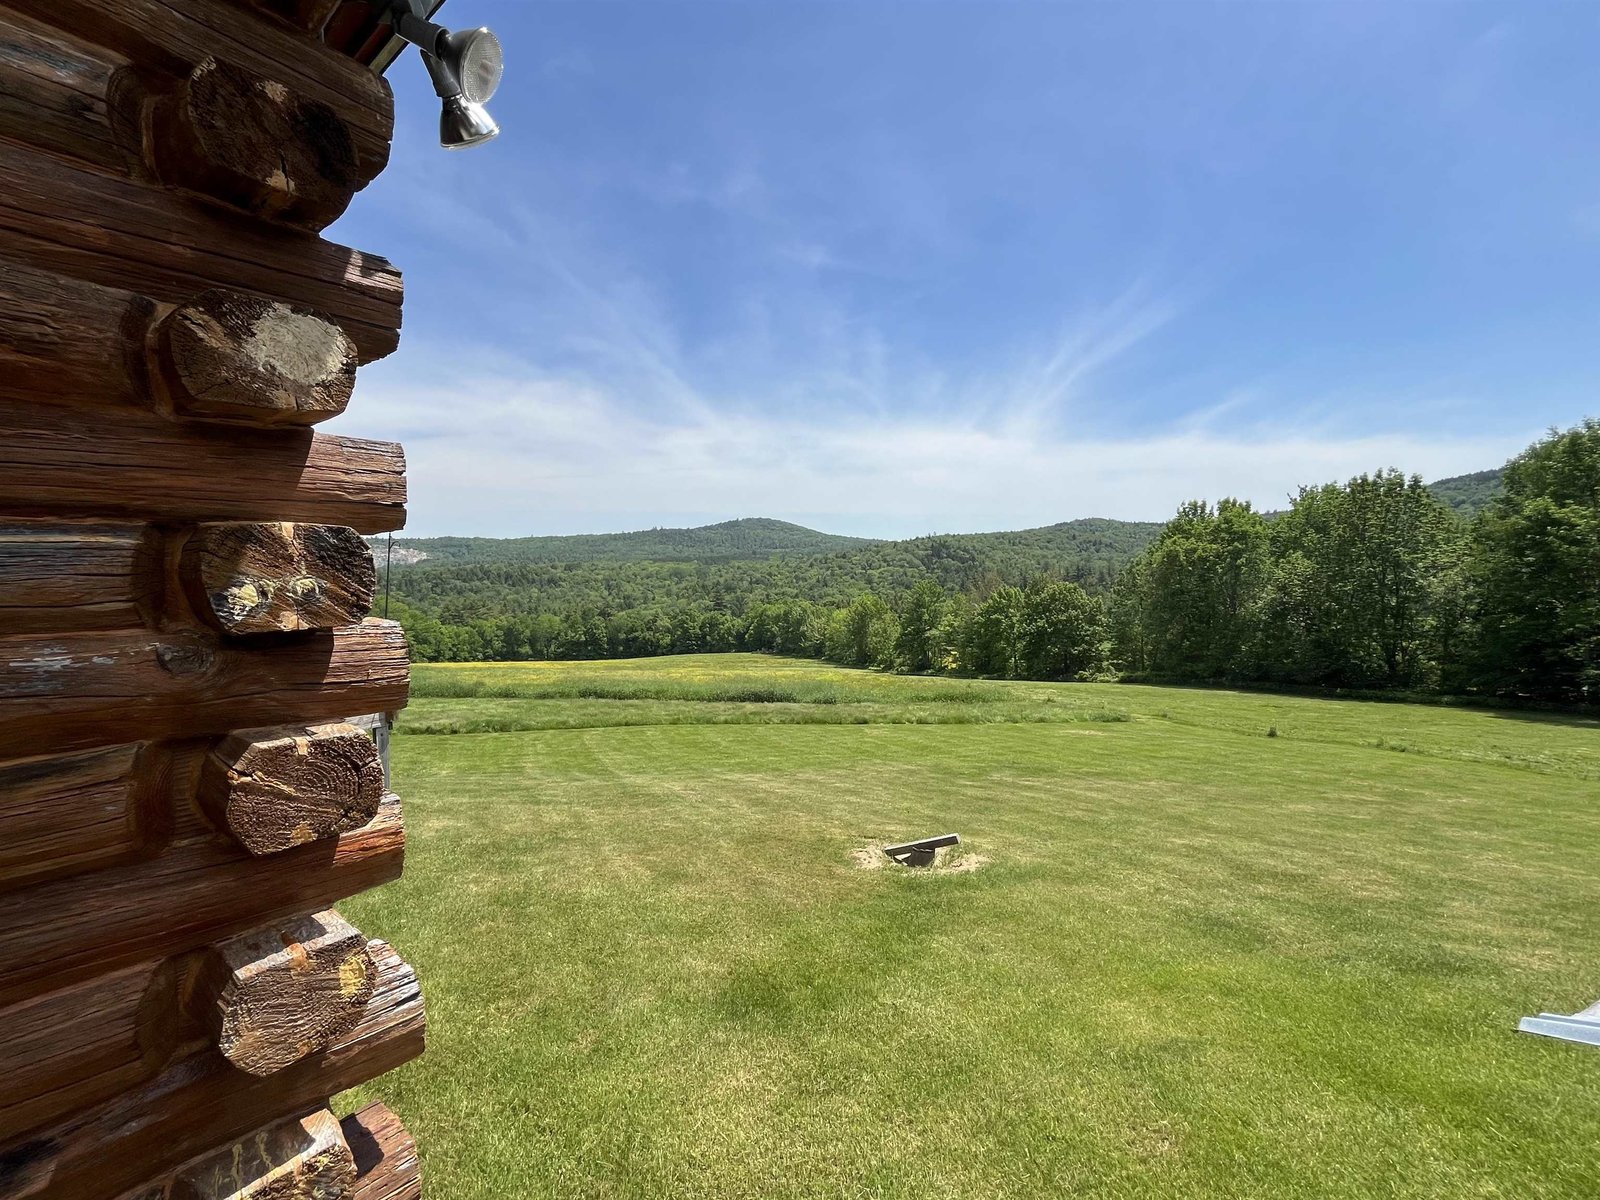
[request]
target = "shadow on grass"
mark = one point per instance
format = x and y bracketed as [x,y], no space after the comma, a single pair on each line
[1571,718]
[1586,717]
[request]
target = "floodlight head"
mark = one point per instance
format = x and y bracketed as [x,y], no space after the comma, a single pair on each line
[475,58]
[465,66]
[464,124]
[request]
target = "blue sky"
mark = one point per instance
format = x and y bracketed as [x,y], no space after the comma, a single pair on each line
[895,268]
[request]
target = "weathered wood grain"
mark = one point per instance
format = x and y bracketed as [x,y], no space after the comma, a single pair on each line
[172,37]
[264,1000]
[60,578]
[272,789]
[304,1159]
[63,462]
[387,1167]
[240,578]
[55,94]
[201,1103]
[231,356]
[197,892]
[255,143]
[64,340]
[80,1045]
[163,244]
[287,989]
[247,578]
[309,16]
[170,326]
[66,814]
[223,355]
[81,691]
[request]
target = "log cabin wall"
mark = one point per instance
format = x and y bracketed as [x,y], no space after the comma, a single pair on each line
[183,609]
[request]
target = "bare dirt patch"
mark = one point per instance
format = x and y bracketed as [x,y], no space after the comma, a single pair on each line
[951,860]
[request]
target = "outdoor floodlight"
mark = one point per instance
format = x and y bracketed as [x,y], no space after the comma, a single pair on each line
[465,66]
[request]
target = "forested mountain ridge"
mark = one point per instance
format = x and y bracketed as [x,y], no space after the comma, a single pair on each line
[1078,596]
[746,538]
[764,537]
[1088,552]
[1466,495]
[500,606]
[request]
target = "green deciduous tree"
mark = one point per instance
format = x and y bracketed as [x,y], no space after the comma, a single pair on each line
[1128,621]
[920,645]
[1062,630]
[863,634]
[1351,588]
[1537,571]
[958,615]
[1192,609]
[993,643]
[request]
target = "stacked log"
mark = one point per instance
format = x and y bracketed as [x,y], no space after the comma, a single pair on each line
[184,599]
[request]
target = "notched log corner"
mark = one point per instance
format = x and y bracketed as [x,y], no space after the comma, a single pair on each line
[78,1045]
[287,990]
[169,247]
[235,357]
[62,463]
[305,1159]
[273,789]
[198,892]
[255,144]
[67,814]
[140,1137]
[59,577]
[387,1167]
[278,577]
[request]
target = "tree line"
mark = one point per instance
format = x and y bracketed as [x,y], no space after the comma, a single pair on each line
[1377,584]
[1370,584]
[497,609]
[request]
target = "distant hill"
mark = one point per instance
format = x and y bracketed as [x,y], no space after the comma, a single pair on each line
[508,598]
[1088,552]
[747,538]
[777,557]
[1091,551]
[1466,494]
[1065,549]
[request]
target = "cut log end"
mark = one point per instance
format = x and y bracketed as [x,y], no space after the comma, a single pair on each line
[277,577]
[287,991]
[385,1154]
[235,357]
[273,789]
[306,1159]
[257,145]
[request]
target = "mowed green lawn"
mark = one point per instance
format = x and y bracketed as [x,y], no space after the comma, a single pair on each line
[1197,961]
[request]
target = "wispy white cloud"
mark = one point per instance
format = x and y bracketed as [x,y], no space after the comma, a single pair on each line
[513,456]
[851,431]
[803,404]
[1089,342]
[737,190]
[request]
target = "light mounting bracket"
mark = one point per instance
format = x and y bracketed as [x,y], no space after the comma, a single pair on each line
[465,66]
